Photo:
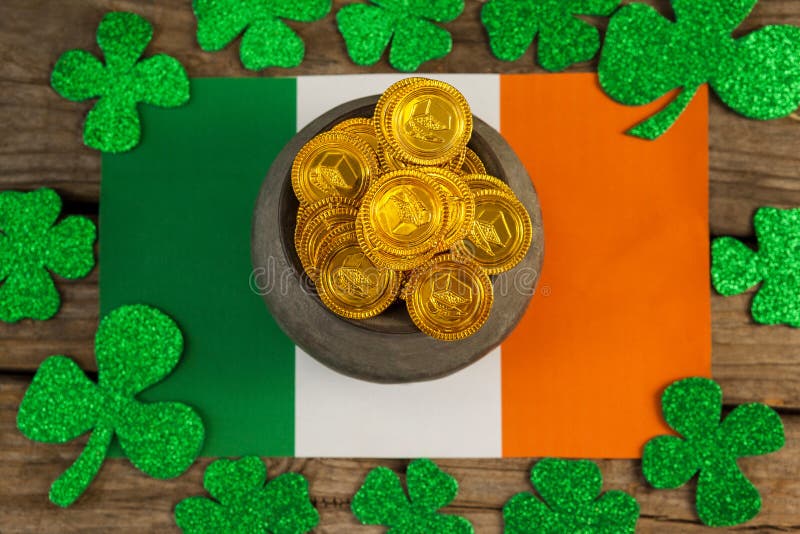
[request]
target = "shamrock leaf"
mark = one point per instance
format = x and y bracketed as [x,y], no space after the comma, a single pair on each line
[113,124]
[693,407]
[571,502]
[244,504]
[409,26]
[564,39]
[735,267]
[31,243]
[381,500]
[136,347]
[267,40]
[646,55]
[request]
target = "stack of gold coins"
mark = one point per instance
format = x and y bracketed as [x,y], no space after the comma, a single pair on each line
[396,206]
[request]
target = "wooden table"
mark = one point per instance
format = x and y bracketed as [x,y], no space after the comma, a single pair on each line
[752,164]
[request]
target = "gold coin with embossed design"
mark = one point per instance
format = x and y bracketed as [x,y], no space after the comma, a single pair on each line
[478,182]
[457,162]
[308,212]
[460,202]
[471,163]
[362,127]
[405,213]
[348,228]
[501,233]
[334,163]
[308,247]
[381,258]
[425,123]
[352,286]
[387,96]
[389,161]
[450,297]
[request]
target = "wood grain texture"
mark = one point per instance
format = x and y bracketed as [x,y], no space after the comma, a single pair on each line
[124,500]
[751,164]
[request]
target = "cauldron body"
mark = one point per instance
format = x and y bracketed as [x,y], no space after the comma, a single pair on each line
[387,348]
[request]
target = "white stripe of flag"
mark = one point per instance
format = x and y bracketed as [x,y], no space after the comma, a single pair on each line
[457,416]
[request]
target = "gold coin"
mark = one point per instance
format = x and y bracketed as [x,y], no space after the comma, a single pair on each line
[385,259]
[425,123]
[380,112]
[457,162]
[352,286]
[501,233]
[348,228]
[472,163]
[308,247]
[334,163]
[308,212]
[450,297]
[388,95]
[479,182]
[461,204]
[363,128]
[389,161]
[405,213]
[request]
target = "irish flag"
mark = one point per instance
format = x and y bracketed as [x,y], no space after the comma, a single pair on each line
[622,307]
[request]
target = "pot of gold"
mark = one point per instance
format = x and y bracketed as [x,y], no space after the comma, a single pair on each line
[403,236]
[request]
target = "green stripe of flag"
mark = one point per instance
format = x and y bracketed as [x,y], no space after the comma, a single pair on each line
[175,217]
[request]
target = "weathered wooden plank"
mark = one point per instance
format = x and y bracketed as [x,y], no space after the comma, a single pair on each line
[754,363]
[25,344]
[124,500]
[752,163]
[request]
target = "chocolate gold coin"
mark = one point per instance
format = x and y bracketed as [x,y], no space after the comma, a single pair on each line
[460,201]
[501,232]
[450,297]
[334,163]
[457,162]
[381,258]
[309,212]
[478,182]
[472,163]
[425,123]
[348,228]
[390,162]
[362,127]
[350,285]
[388,95]
[405,213]
[308,247]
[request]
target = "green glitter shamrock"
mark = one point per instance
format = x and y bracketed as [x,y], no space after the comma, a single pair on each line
[245,504]
[382,501]
[645,55]
[124,81]
[267,40]
[564,39]
[407,24]
[136,347]
[735,267]
[30,244]
[693,408]
[570,491]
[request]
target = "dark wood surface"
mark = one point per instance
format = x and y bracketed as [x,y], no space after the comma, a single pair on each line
[752,164]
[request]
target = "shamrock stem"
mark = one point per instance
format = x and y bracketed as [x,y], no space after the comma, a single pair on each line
[74,481]
[658,124]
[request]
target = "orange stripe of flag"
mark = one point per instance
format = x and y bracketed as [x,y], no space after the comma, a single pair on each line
[623,304]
